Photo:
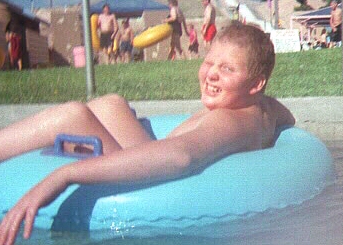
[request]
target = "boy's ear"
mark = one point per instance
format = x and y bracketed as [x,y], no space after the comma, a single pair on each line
[258,85]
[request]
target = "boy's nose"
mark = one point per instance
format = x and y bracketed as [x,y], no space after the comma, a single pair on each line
[213,72]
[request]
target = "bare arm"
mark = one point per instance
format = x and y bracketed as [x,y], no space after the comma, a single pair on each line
[99,22]
[218,134]
[165,159]
[332,24]
[185,26]
[115,26]
[132,36]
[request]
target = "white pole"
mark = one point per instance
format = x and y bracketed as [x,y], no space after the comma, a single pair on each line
[90,80]
[276,14]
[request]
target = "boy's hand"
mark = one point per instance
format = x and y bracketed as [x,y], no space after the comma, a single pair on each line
[27,208]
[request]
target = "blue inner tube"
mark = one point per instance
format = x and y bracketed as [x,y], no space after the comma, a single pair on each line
[295,169]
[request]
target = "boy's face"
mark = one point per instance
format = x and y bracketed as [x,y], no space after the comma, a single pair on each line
[333,4]
[223,77]
[106,10]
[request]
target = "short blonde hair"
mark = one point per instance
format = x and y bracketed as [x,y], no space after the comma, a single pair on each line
[259,47]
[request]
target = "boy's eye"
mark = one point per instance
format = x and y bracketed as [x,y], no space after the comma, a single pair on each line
[226,68]
[207,63]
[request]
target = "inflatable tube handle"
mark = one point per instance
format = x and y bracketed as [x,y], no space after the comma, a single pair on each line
[76,139]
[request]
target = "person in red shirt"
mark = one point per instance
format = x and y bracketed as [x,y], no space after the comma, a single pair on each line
[16,50]
[193,47]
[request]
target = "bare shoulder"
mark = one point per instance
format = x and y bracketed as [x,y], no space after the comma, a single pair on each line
[225,130]
[281,113]
[231,118]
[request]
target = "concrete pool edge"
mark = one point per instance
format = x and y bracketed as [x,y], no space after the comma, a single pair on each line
[322,116]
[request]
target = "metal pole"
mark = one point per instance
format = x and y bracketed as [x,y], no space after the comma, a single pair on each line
[342,54]
[276,14]
[342,50]
[90,80]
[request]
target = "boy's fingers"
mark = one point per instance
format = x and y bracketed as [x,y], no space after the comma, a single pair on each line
[3,232]
[12,230]
[29,220]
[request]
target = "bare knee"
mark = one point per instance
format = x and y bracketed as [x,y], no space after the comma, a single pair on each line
[71,111]
[75,107]
[67,118]
[111,100]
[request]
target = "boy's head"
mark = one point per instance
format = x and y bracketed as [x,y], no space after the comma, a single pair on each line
[206,2]
[333,4]
[258,46]
[173,2]
[106,8]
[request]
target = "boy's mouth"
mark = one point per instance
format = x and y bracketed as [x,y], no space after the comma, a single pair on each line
[212,89]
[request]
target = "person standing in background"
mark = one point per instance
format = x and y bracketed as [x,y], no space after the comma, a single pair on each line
[16,51]
[336,24]
[209,26]
[176,19]
[108,25]
[193,47]
[16,48]
[8,53]
[125,39]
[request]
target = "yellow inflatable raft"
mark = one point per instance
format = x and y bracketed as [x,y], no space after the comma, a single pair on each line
[95,37]
[152,36]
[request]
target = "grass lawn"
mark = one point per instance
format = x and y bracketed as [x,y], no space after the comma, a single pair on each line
[311,73]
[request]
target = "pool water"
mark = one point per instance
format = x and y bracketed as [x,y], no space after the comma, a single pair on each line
[317,222]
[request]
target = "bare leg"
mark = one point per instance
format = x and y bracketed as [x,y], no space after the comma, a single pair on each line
[171,54]
[41,129]
[207,46]
[179,48]
[117,117]
[127,56]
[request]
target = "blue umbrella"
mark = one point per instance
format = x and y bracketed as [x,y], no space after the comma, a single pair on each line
[127,7]
[35,4]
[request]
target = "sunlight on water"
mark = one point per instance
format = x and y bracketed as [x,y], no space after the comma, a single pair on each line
[316,222]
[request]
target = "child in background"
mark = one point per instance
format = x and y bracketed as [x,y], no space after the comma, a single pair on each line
[323,43]
[193,47]
[16,51]
[126,39]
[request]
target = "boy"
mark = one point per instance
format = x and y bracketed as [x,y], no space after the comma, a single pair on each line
[125,39]
[237,117]
[193,47]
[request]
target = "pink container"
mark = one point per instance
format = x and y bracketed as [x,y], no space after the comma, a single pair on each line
[79,56]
